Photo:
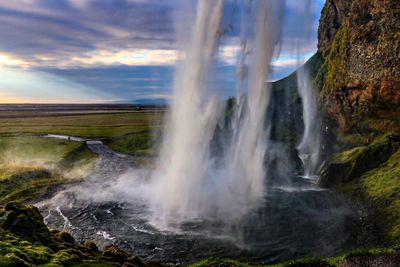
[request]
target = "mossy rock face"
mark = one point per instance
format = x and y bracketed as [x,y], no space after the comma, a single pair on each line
[25,221]
[114,253]
[91,246]
[63,237]
[66,257]
[360,74]
[351,164]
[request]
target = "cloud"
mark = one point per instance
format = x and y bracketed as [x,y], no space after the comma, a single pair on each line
[18,85]
[121,48]
[10,61]
[46,31]
[80,4]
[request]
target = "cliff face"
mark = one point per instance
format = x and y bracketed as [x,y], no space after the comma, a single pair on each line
[360,42]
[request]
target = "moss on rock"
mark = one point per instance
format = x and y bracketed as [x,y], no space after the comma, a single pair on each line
[351,164]
[26,241]
[25,221]
[370,176]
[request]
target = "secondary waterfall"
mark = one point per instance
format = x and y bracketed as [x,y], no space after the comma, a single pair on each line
[186,184]
[309,147]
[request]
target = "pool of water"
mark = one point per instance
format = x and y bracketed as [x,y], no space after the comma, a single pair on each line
[296,219]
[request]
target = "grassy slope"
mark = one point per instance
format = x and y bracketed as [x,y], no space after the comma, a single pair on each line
[380,189]
[30,165]
[370,176]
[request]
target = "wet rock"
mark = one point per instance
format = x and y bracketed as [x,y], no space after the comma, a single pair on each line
[114,253]
[63,237]
[91,246]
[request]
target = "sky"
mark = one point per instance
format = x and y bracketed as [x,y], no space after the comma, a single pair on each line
[95,51]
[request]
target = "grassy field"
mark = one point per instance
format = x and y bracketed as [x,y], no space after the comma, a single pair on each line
[129,132]
[31,164]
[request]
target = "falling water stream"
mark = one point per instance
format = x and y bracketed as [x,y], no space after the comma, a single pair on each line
[309,147]
[195,204]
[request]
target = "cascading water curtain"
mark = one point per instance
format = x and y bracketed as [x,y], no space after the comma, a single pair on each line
[186,185]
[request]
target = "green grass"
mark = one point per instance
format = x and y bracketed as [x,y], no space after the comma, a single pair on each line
[31,165]
[382,187]
[370,176]
[140,143]
[27,149]
[130,132]
[99,125]
[300,262]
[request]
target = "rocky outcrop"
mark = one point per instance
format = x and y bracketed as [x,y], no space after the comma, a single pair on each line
[26,241]
[360,42]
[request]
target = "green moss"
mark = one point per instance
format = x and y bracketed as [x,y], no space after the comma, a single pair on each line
[214,261]
[370,176]
[16,252]
[95,263]
[301,262]
[337,261]
[351,164]
[333,71]
[381,187]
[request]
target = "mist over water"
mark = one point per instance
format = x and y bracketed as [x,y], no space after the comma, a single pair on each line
[222,184]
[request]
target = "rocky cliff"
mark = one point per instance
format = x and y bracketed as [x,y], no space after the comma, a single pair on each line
[360,43]
[359,82]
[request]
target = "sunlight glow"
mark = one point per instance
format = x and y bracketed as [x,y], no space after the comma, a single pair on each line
[29,86]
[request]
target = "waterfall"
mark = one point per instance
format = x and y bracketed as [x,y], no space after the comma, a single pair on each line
[245,173]
[186,184]
[309,147]
[184,158]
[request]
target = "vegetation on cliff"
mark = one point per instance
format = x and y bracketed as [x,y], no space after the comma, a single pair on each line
[359,41]
[370,175]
